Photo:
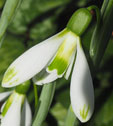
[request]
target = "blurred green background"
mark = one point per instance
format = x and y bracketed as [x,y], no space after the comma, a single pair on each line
[37,20]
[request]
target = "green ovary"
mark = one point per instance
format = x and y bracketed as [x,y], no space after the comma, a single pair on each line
[84,112]
[9,75]
[63,55]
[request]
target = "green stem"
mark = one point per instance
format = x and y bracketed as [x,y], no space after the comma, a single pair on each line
[7,15]
[93,7]
[105,3]
[102,34]
[36,95]
[44,103]
[71,118]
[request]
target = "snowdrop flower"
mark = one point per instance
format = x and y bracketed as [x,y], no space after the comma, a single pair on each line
[54,58]
[16,110]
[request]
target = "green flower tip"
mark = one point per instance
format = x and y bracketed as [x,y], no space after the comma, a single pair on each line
[79,21]
[8,77]
[14,97]
[84,112]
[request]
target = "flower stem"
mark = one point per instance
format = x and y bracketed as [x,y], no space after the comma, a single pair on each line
[71,118]
[93,7]
[105,3]
[102,33]
[36,95]
[7,15]
[44,103]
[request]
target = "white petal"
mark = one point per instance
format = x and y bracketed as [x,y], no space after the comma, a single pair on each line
[50,78]
[4,95]
[68,72]
[32,61]
[26,118]
[44,77]
[12,117]
[82,92]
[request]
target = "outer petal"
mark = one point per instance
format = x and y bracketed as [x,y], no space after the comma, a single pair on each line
[26,118]
[32,61]
[82,92]
[4,95]
[13,114]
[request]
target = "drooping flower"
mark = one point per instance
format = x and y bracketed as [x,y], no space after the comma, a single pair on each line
[16,110]
[54,58]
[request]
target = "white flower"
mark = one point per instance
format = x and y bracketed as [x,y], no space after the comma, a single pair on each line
[16,110]
[53,59]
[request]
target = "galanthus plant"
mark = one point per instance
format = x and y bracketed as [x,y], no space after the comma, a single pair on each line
[16,110]
[55,58]
[60,57]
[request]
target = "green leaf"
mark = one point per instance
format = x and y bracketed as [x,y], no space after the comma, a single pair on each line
[44,103]
[2,3]
[7,15]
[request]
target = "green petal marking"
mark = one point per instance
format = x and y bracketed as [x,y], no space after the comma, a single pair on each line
[10,73]
[7,105]
[64,54]
[84,112]
[14,96]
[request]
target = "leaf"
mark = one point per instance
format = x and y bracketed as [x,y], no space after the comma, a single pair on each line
[2,3]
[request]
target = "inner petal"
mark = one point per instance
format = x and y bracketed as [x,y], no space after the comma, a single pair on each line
[69,70]
[44,77]
[62,59]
